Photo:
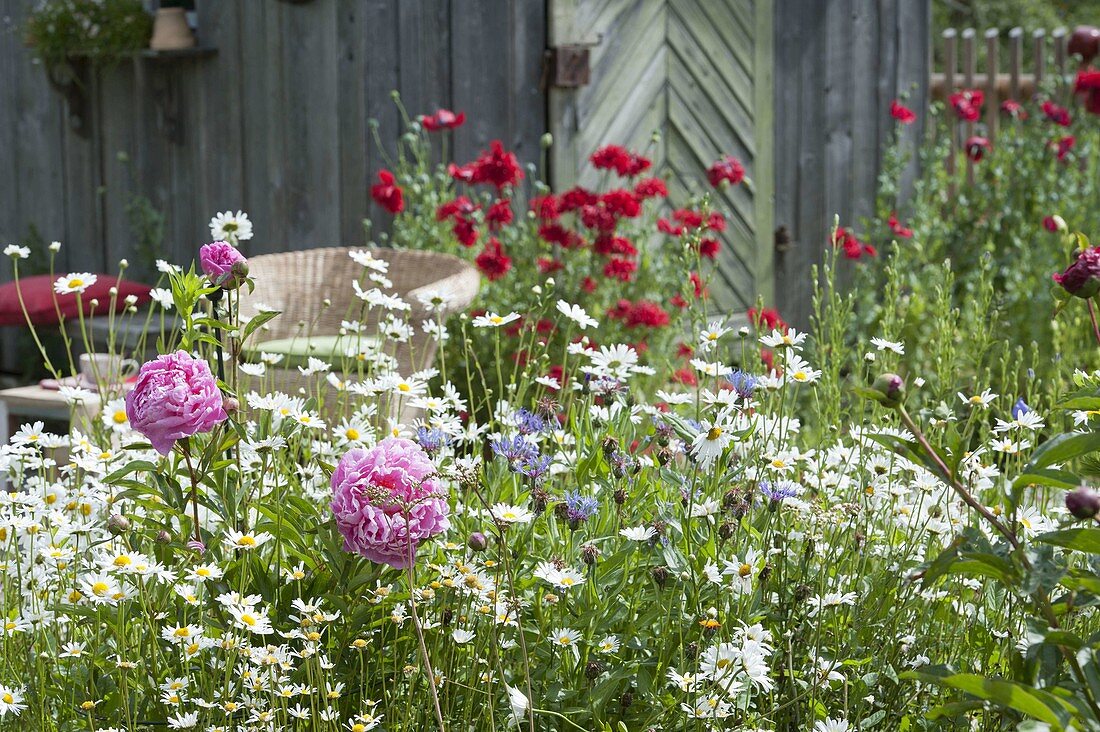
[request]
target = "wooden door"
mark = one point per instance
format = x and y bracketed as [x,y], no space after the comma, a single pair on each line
[698,73]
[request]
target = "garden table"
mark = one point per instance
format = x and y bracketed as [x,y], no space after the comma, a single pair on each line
[39,403]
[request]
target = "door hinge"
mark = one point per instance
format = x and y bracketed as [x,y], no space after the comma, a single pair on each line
[567,66]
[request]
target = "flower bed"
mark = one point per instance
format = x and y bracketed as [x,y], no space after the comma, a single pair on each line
[612,513]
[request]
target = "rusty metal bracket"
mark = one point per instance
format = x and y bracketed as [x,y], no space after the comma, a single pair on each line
[568,66]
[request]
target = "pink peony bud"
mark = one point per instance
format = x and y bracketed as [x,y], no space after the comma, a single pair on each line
[222,264]
[175,396]
[1082,278]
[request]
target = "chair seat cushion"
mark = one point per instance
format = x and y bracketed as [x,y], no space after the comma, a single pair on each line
[297,351]
[38,297]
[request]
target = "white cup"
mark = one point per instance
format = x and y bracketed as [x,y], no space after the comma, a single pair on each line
[106,369]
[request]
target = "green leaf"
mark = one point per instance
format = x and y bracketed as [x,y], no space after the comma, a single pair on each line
[1085,399]
[1083,540]
[1062,448]
[258,321]
[1023,699]
[1049,477]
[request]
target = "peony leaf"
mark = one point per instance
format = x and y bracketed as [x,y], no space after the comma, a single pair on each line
[1082,540]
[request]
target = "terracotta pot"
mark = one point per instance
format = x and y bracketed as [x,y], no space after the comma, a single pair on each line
[170,31]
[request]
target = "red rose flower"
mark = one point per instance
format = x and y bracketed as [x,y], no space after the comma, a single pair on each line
[1057,115]
[387,193]
[728,169]
[443,119]
[902,113]
[976,147]
[492,261]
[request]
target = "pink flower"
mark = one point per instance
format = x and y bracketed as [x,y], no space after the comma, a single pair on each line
[175,397]
[387,500]
[222,264]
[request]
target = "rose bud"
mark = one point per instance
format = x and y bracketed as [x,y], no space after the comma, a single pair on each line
[891,387]
[1083,503]
[1082,278]
[477,541]
[1084,42]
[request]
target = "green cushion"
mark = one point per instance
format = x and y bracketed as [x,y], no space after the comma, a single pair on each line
[298,350]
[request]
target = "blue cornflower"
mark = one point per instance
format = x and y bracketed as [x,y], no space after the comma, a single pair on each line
[515,449]
[534,466]
[529,423]
[1020,408]
[777,492]
[742,383]
[580,508]
[432,439]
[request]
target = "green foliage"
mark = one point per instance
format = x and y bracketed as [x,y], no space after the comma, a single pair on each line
[101,30]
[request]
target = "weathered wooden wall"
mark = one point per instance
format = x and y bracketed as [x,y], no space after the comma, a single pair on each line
[274,123]
[838,65]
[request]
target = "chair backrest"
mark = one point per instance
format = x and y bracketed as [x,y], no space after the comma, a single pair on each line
[298,284]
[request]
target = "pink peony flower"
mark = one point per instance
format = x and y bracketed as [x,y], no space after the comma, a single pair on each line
[222,264]
[175,397]
[1082,278]
[373,490]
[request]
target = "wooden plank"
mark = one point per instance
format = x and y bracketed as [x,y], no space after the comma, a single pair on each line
[913,32]
[310,145]
[839,90]
[1015,60]
[117,125]
[864,119]
[561,103]
[969,64]
[481,71]
[992,117]
[1058,40]
[355,139]
[526,92]
[1038,39]
[949,68]
[381,79]
[786,99]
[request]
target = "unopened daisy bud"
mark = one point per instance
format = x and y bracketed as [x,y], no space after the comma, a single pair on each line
[744,331]
[55,246]
[1083,503]
[549,281]
[118,524]
[94,302]
[890,390]
[477,542]
[123,263]
[113,292]
[131,300]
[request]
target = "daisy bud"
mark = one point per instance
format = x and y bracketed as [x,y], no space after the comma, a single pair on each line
[891,390]
[537,290]
[118,524]
[1083,503]
[55,246]
[477,541]
[546,140]
[94,302]
[744,331]
[131,300]
[123,263]
[113,292]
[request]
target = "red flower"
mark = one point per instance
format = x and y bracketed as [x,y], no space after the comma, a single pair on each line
[547,265]
[976,148]
[690,219]
[1057,115]
[767,319]
[666,227]
[545,207]
[697,283]
[589,285]
[599,218]
[1014,109]
[461,210]
[685,376]
[558,234]
[608,245]
[709,248]
[640,314]
[728,169]
[577,197]
[492,261]
[387,193]
[620,269]
[1064,145]
[623,204]
[619,159]
[716,221]
[1050,224]
[902,113]
[1088,85]
[897,227]
[495,166]
[499,214]
[967,104]
[651,188]
[852,246]
[442,119]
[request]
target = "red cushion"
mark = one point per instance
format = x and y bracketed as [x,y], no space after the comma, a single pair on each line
[38,297]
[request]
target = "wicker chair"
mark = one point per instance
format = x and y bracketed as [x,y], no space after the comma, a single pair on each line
[300,283]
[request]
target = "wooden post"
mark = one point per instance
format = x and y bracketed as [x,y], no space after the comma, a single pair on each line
[949,63]
[1039,39]
[1015,60]
[1059,38]
[562,103]
[970,63]
[993,113]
